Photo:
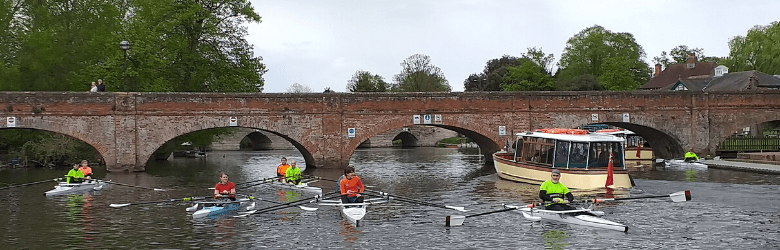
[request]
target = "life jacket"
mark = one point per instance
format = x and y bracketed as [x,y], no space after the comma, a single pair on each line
[282,169]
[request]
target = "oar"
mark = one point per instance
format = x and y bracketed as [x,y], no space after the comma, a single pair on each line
[424,203]
[128,185]
[676,197]
[457,220]
[154,202]
[31,183]
[284,205]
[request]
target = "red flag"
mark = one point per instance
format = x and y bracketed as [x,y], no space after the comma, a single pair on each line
[609,171]
[638,147]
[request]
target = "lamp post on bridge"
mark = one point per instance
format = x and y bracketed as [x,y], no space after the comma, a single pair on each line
[125,45]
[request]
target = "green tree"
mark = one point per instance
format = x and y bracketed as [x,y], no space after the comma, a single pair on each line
[491,78]
[192,46]
[758,50]
[418,74]
[527,77]
[619,73]
[584,82]
[364,81]
[587,52]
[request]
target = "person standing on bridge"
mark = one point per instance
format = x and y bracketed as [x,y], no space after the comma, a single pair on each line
[293,174]
[556,193]
[100,86]
[281,170]
[690,156]
[225,189]
[351,187]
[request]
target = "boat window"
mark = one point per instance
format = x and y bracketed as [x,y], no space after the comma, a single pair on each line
[518,148]
[561,154]
[538,150]
[579,155]
[599,157]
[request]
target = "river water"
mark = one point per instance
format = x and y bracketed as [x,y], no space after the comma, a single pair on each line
[729,209]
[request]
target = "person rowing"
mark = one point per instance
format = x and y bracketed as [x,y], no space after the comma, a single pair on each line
[556,193]
[293,174]
[351,187]
[281,170]
[85,169]
[224,189]
[75,175]
[690,156]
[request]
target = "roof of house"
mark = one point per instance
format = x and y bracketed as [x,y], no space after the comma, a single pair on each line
[742,81]
[692,83]
[674,72]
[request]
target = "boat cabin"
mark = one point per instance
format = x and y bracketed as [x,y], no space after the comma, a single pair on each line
[569,150]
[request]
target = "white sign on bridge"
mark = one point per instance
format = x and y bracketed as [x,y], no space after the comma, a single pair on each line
[233,121]
[10,122]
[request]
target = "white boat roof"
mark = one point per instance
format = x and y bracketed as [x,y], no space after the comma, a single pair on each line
[592,137]
[626,132]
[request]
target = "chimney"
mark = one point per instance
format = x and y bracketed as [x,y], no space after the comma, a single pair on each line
[657,70]
[691,60]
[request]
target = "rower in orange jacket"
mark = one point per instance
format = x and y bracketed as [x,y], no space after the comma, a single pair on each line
[281,170]
[351,187]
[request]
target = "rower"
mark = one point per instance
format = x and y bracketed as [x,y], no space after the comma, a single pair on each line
[75,175]
[556,193]
[224,189]
[293,174]
[281,170]
[690,156]
[351,187]
[85,169]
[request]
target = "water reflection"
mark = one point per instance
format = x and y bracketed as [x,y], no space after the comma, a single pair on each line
[555,239]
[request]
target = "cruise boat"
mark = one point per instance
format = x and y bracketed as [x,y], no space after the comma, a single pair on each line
[582,157]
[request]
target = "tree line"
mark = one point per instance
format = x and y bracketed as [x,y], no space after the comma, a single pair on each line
[176,45]
[593,59]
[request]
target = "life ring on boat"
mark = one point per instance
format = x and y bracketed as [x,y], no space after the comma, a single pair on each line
[577,132]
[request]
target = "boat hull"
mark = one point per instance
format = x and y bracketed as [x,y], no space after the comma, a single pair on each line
[303,187]
[582,217]
[354,214]
[64,188]
[212,210]
[684,164]
[573,178]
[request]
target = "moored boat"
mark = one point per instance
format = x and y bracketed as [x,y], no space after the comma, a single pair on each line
[64,188]
[583,158]
[583,217]
[213,209]
[636,148]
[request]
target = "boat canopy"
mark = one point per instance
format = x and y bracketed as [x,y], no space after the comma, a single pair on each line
[570,151]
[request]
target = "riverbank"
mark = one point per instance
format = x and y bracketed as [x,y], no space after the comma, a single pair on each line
[738,165]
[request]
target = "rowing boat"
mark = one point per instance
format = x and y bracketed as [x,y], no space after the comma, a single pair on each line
[353,212]
[63,188]
[303,187]
[684,164]
[212,209]
[582,216]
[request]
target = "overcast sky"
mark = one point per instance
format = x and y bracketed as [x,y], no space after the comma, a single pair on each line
[323,43]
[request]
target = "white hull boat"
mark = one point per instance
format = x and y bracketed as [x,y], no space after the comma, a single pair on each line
[353,212]
[64,188]
[678,163]
[213,209]
[583,217]
[303,187]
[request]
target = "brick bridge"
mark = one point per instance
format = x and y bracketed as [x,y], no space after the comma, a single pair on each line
[126,128]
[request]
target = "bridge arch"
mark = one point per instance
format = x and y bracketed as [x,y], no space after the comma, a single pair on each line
[477,133]
[91,143]
[408,140]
